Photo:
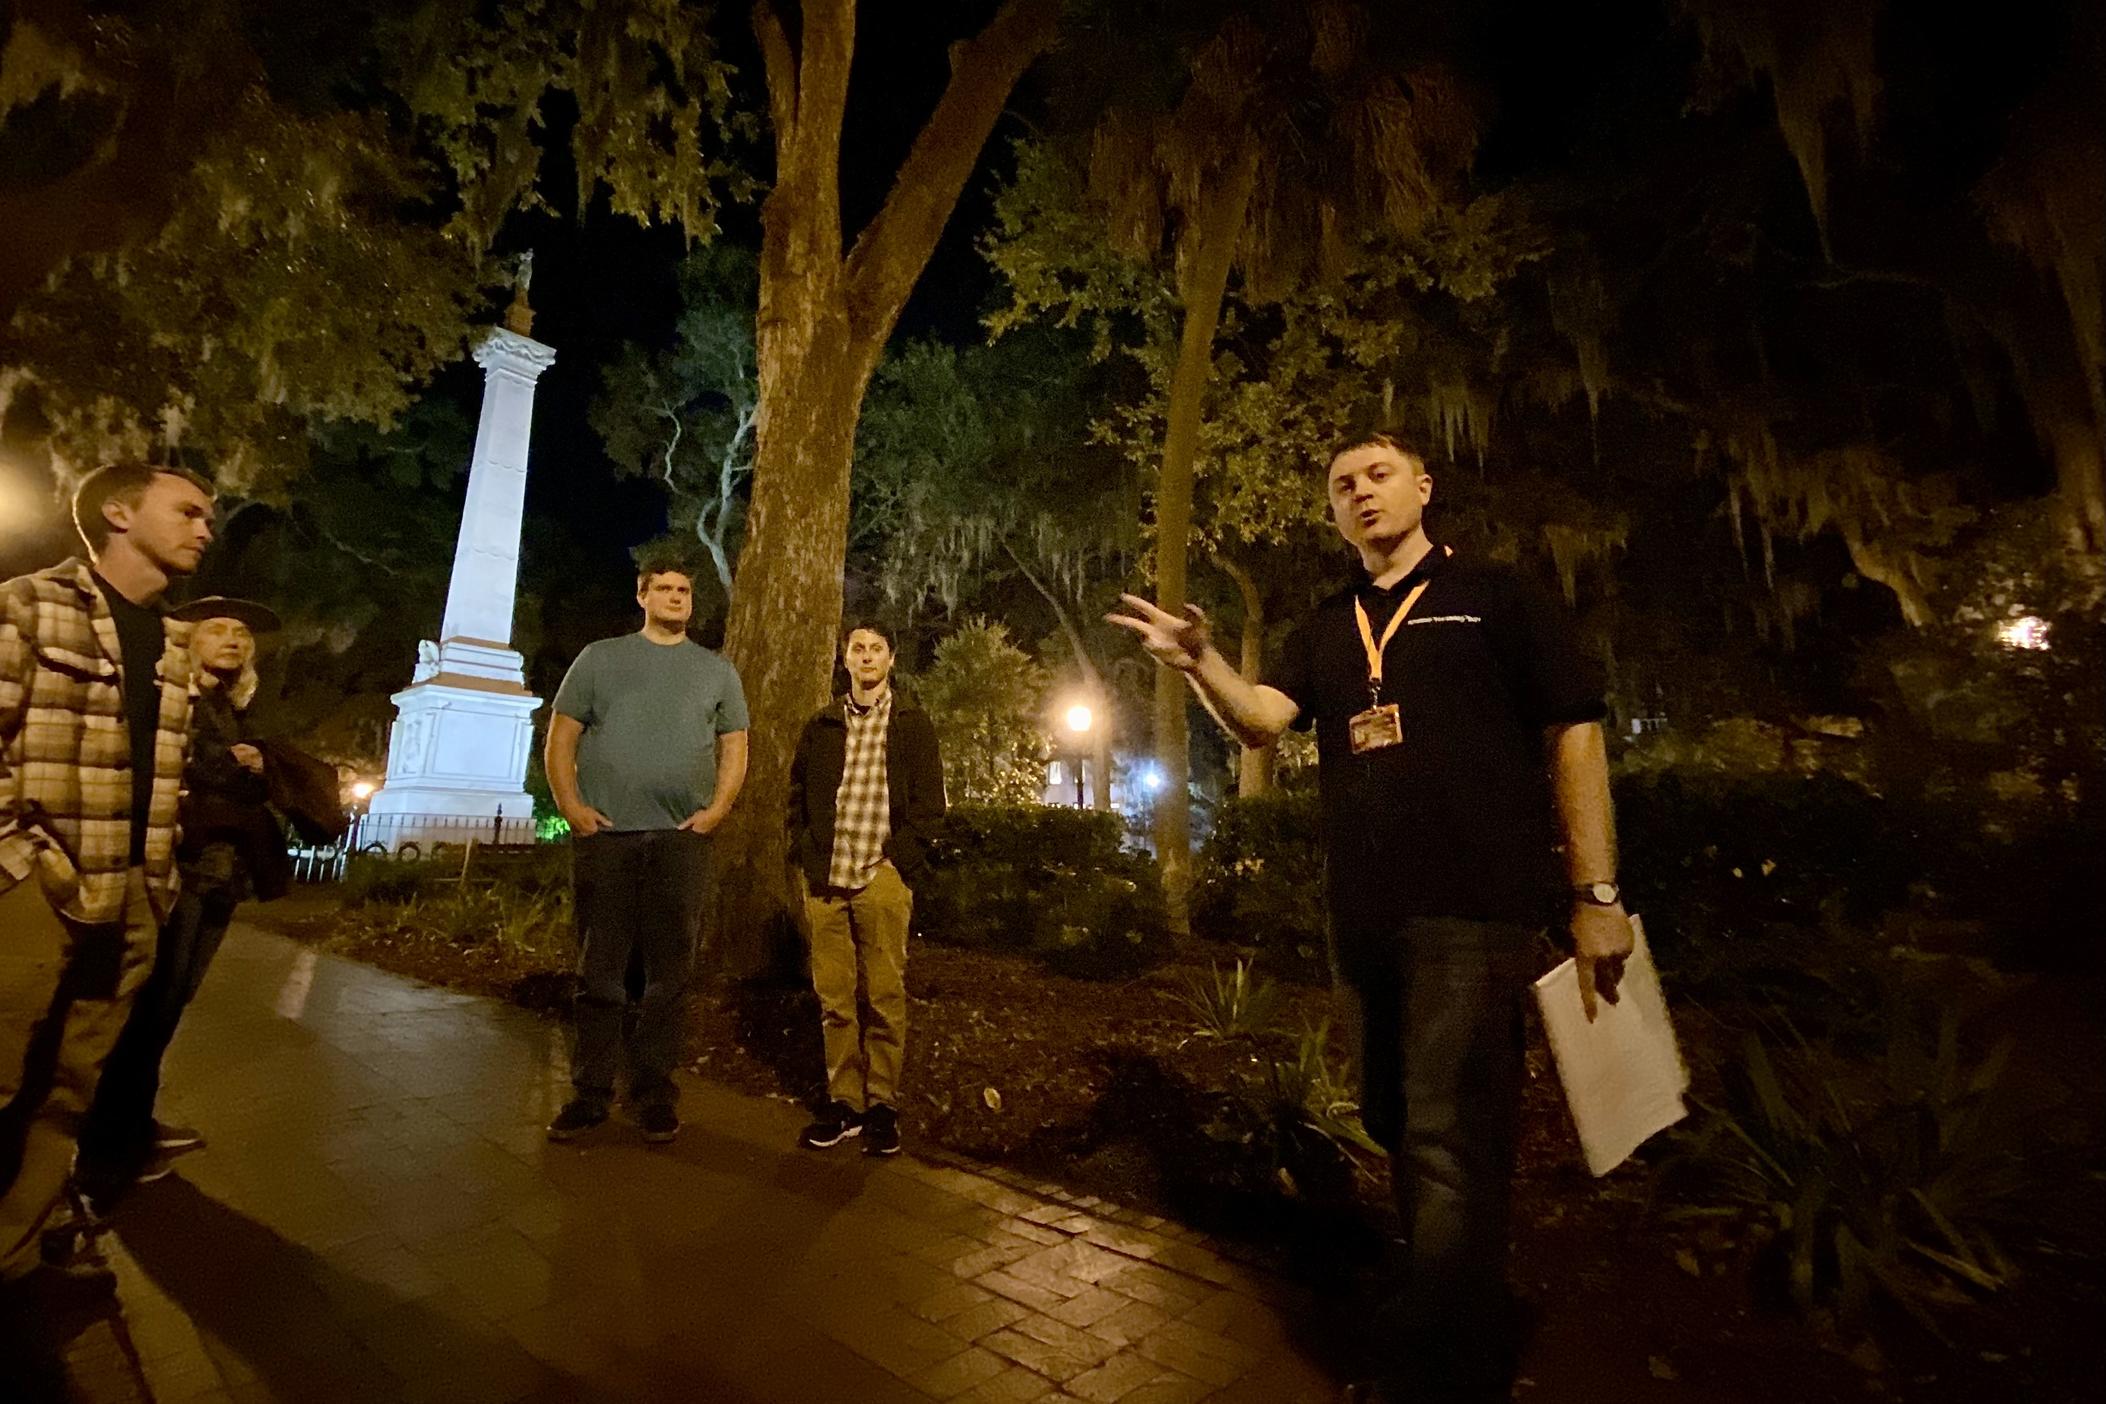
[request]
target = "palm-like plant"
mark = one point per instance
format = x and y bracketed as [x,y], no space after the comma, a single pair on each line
[1233,1003]
[1895,1189]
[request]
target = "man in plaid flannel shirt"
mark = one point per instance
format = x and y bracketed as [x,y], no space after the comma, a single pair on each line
[866,785]
[94,729]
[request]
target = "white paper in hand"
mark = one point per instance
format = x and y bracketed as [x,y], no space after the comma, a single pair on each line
[1623,1073]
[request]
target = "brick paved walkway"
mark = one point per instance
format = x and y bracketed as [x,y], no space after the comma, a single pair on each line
[378,1218]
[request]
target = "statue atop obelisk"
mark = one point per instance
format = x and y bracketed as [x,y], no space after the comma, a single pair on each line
[463,727]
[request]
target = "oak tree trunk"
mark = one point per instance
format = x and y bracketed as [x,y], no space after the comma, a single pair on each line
[1209,253]
[825,315]
[1253,763]
[784,614]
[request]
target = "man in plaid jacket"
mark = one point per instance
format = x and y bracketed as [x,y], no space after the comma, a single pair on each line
[94,730]
[866,786]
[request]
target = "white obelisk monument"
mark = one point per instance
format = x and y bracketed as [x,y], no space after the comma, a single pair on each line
[463,727]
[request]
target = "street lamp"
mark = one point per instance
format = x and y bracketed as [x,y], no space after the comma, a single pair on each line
[1080,719]
[2028,631]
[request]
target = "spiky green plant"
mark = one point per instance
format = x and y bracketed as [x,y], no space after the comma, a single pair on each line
[1313,1115]
[1232,1004]
[471,916]
[1899,1188]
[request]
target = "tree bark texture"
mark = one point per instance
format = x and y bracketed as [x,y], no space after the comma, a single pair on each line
[825,315]
[1253,764]
[1208,255]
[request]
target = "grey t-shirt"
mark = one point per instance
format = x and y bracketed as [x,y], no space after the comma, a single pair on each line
[652,714]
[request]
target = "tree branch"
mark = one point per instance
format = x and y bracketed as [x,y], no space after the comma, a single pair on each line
[1060,612]
[711,534]
[671,444]
[827,45]
[780,65]
[801,217]
[891,252]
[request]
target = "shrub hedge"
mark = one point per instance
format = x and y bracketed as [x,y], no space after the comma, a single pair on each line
[1052,881]
[1709,855]
[1706,856]
[1259,880]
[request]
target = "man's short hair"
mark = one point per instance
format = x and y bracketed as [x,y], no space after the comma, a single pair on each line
[1388,435]
[120,482]
[652,565]
[870,626]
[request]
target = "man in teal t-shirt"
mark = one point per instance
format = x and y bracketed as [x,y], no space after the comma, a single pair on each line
[646,754]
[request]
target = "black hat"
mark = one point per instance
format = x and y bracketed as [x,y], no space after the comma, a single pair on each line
[261,619]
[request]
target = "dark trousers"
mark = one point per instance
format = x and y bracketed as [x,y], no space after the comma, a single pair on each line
[639,897]
[117,1138]
[1439,1007]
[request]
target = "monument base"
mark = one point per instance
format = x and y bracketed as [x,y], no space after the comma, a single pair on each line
[457,761]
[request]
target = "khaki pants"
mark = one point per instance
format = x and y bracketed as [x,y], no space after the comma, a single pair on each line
[861,937]
[64,992]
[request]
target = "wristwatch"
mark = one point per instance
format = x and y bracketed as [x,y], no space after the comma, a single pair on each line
[1598,894]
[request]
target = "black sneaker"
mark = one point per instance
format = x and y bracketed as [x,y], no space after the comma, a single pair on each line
[97,1188]
[660,1123]
[174,1140]
[577,1117]
[881,1131]
[835,1125]
[159,1166]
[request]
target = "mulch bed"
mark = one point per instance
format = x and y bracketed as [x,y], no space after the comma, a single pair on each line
[1107,1087]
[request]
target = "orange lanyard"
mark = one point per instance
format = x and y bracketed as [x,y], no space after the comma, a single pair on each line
[1375,650]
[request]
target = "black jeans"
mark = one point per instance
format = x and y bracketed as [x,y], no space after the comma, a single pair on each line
[117,1136]
[638,895]
[1439,1003]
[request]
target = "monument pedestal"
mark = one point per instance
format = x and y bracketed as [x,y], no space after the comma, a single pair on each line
[456,756]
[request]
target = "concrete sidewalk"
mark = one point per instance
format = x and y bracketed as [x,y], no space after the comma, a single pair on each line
[379,1218]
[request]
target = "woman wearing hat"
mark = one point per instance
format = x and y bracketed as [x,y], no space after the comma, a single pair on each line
[232,848]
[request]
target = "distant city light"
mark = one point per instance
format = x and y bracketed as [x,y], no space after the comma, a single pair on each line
[362,790]
[2028,631]
[1081,718]
[1151,778]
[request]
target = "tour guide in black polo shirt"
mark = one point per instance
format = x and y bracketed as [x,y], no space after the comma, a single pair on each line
[1459,745]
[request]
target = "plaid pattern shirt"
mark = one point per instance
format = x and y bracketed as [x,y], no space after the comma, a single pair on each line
[65,747]
[863,804]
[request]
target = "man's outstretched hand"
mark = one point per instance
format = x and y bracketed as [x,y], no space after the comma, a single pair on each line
[1601,942]
[1171,641]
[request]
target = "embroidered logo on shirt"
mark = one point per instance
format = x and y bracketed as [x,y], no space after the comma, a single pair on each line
[1447,619]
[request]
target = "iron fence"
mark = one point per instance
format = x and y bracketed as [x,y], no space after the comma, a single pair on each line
[407,837]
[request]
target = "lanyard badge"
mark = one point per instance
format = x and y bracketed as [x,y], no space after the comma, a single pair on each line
[1381,726]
